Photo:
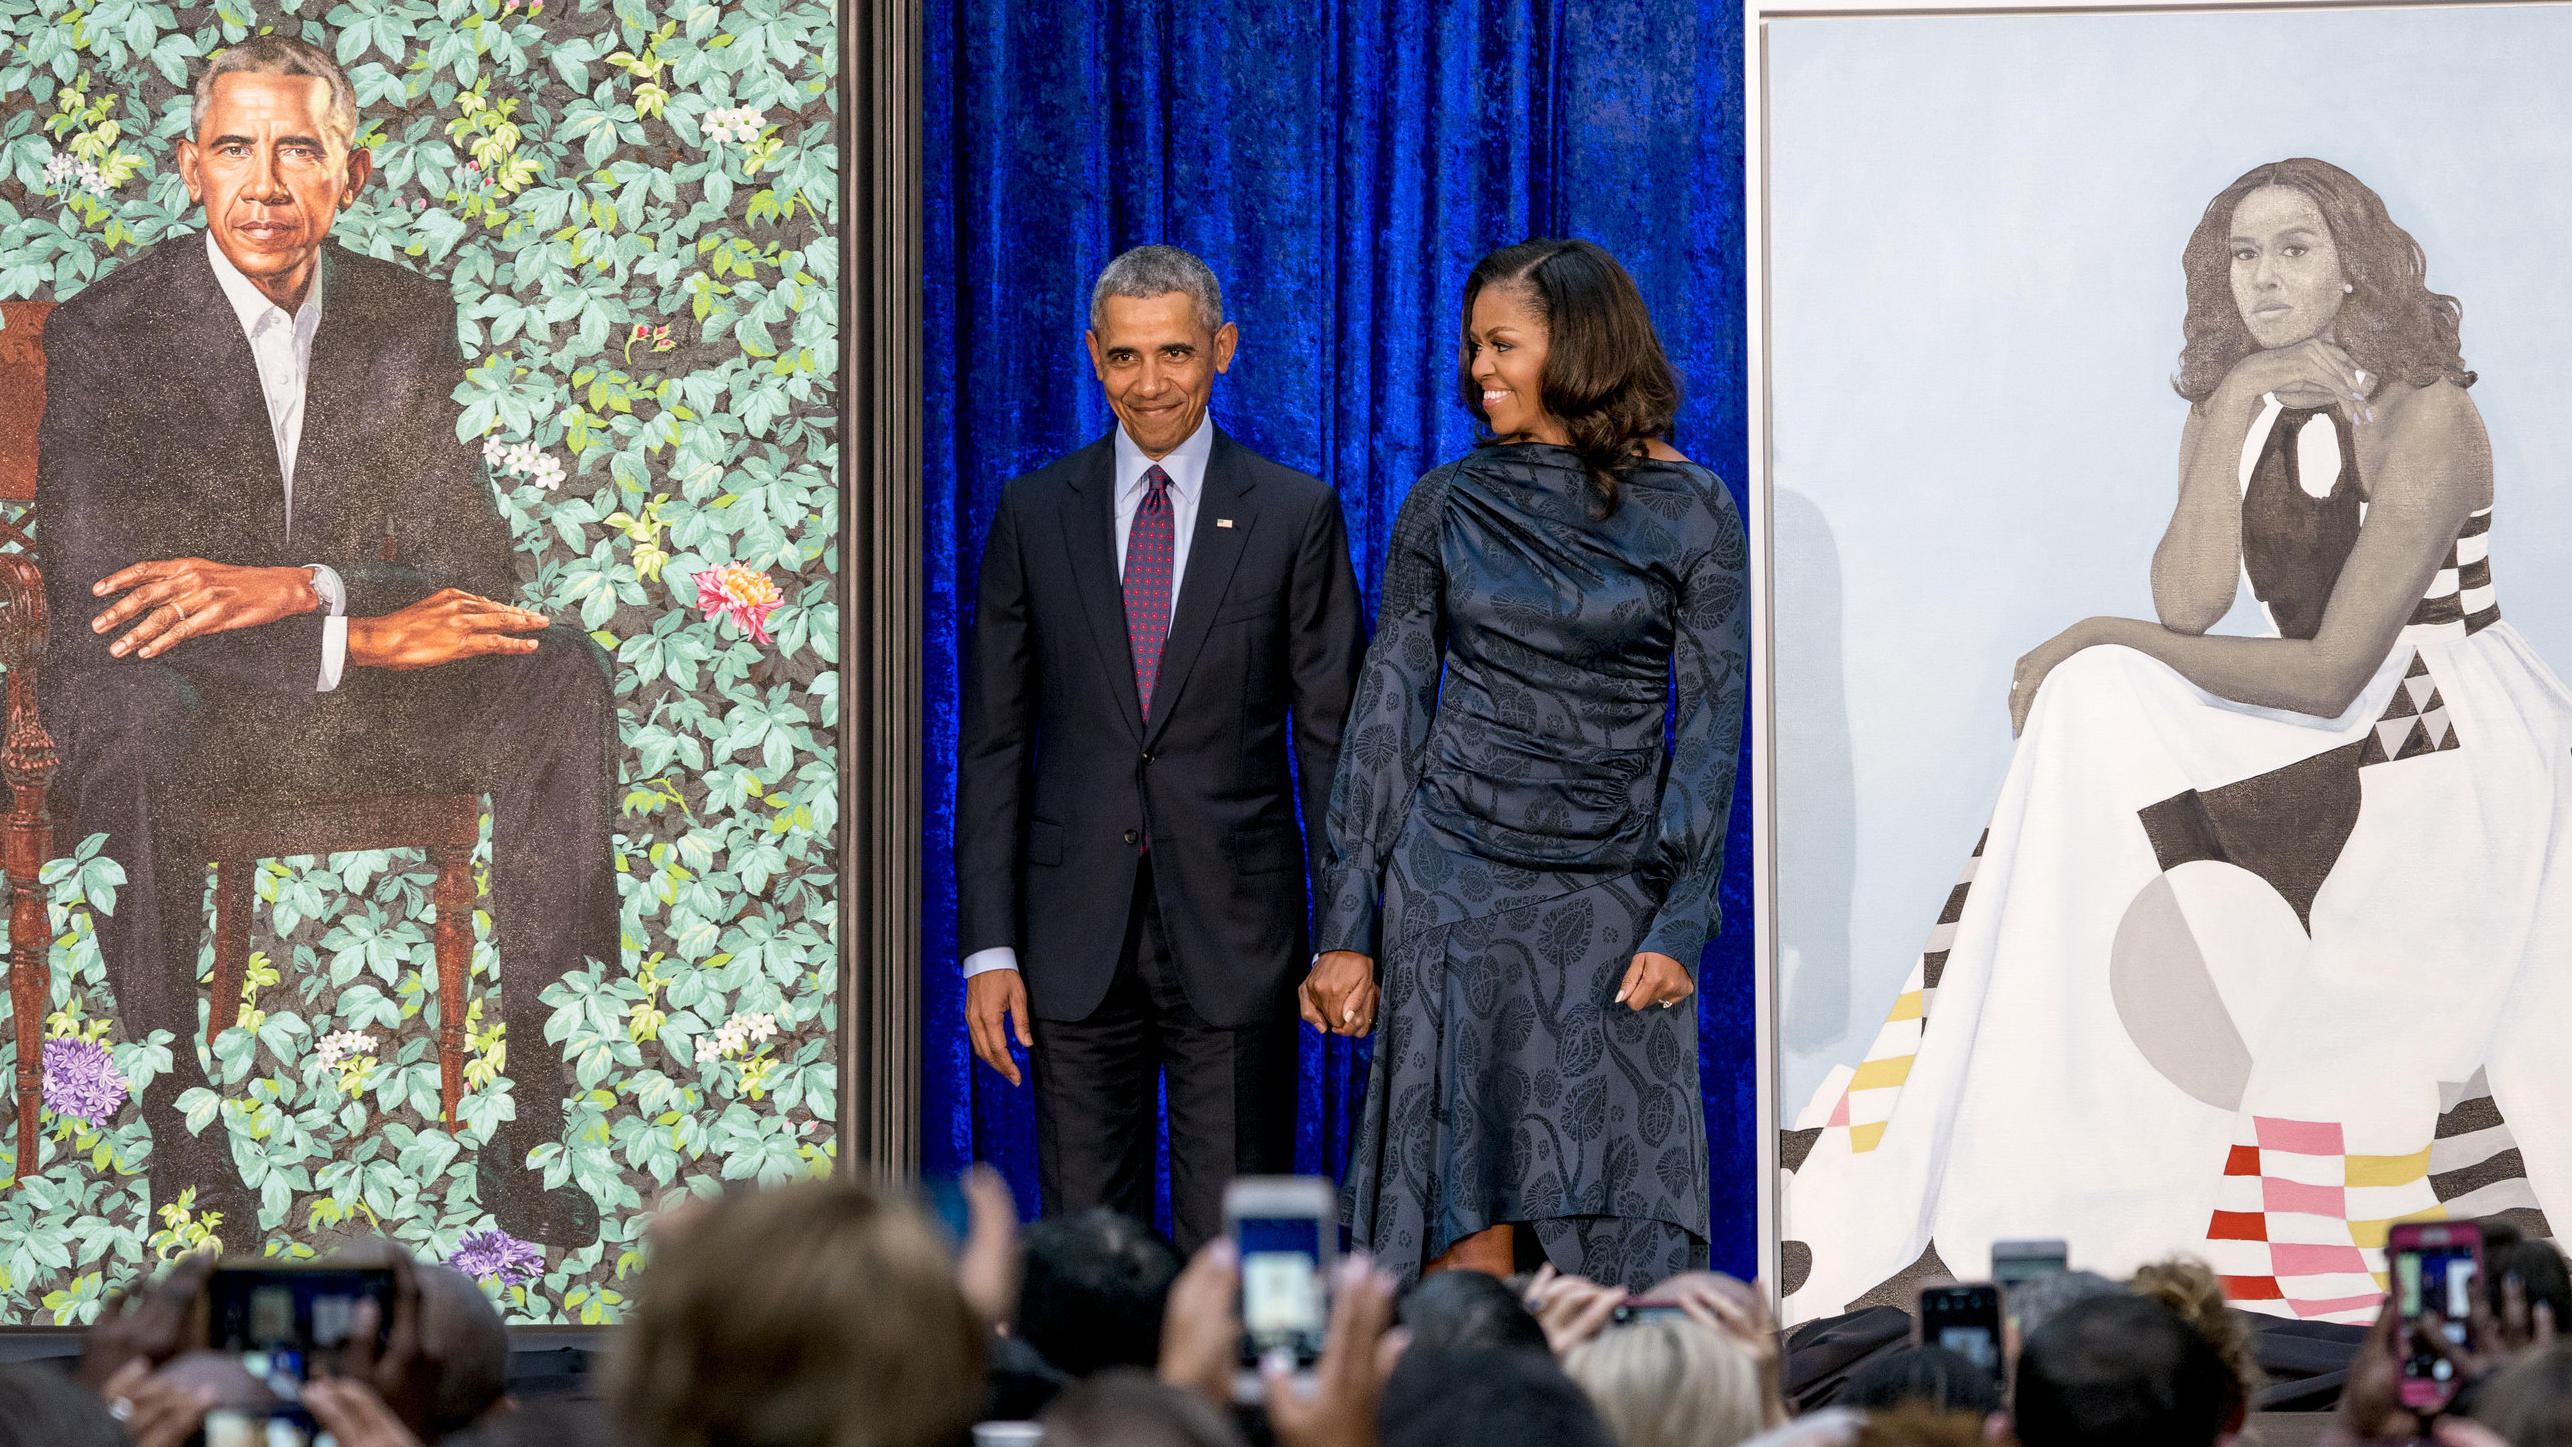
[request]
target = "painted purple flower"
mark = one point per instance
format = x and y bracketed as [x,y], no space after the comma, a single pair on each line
[485,1255]
[81,1081]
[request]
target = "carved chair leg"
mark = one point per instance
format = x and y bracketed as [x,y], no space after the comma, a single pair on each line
[453,935]
[231,943]
[31,989]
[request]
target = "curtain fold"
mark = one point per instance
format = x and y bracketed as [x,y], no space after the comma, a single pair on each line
[1341,168]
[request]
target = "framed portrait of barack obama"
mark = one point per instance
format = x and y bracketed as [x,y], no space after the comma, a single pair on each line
[422,433]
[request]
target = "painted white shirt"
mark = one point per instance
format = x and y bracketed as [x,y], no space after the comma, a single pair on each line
[1186,469]
[283,347]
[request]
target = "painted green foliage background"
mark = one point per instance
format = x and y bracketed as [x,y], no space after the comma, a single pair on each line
[635,204]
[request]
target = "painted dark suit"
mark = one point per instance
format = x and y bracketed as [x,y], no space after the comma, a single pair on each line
[156,444]
[1060,785]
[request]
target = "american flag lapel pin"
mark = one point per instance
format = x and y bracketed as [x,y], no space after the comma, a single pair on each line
[1223,522]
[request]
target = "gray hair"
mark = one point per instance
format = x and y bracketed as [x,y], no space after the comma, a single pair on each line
[2034,1302]
[1149,271]
[280,55]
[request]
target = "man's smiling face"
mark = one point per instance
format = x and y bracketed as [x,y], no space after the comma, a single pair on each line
[272,174]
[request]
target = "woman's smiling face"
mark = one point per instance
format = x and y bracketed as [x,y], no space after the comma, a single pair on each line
[1505,339]
[2286,272]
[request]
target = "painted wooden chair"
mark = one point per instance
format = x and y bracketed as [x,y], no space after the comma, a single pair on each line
[238,836]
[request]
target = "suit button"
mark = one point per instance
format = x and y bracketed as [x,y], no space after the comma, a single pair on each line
[1133,836]
[1147,758]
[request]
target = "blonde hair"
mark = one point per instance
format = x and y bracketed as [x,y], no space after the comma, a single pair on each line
[819,1314]
[1665,1383]
[2188,1286]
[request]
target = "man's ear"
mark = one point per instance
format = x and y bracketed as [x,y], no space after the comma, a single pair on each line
[1098,362]
[1225,341]
[361,166]
[192,169]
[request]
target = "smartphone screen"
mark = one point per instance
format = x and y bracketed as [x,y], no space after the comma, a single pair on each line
[2436,1269]
[1965,1320]
[2014,1262]
[1283,1307]
[278,1320]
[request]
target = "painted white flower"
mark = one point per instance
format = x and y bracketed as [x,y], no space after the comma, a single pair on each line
[90,181]
[493,451]
[58,168]
[522,458]
[736,1035]
[343,1045]
[548,472]
[738,124]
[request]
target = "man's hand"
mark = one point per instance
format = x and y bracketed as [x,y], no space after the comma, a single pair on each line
[1339,997]
[446,626]
[142,1323]
[406,1374]
[1200,1328]
[1359,1350]
[992,1000]
[156,1411]
[183,598]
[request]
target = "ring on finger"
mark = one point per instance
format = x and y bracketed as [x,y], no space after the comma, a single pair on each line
[175,608]
[122,1409]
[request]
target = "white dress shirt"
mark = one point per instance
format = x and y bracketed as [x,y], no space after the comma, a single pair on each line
[1185,466]
[283,348]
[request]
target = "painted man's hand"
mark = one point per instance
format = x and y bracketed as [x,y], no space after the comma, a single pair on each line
[182,598]
[446,626]
[992,1000]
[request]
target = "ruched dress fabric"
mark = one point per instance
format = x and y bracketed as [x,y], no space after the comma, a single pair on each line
[1508,830]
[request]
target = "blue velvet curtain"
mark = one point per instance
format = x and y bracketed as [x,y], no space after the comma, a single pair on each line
[1341,166]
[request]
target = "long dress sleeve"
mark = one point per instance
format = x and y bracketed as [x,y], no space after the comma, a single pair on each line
[1710,662]
[1382,749]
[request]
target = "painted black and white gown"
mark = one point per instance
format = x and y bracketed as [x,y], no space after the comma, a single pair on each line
[2232,980]
[1508,829]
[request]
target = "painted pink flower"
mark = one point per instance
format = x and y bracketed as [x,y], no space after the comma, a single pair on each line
[747,594]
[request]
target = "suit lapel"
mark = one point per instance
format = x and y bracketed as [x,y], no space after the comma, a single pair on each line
[1213,552]
[226,376]
[1089,534]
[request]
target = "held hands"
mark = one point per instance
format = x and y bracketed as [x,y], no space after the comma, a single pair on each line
[1339,997]
[1654,980]
[446,626]
[992,1000]
[183,598]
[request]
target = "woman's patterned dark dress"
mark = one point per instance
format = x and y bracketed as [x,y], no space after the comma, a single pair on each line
[1505,792]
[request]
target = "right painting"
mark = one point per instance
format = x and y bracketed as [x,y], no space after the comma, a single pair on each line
[2169,507]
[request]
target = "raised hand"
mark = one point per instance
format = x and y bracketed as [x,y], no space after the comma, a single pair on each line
[1200,1330]
[1357,1356]
[176,599]
[446,626]
[143,1323]
[404,1374]
[1571,1309]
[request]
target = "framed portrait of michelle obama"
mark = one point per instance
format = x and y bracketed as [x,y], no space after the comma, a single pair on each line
[494,960]
[2161,496]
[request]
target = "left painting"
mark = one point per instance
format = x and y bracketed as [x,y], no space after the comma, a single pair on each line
[419,462]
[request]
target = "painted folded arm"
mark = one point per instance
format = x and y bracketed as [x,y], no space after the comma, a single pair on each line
[1710,665]
[1386,742]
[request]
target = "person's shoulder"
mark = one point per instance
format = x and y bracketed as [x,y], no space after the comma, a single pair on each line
[1293,484]
[1045,481]
[2439,406]
[1692,487]
[136,293]
[378,287]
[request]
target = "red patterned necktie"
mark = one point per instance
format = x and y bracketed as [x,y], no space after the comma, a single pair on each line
[1148,557]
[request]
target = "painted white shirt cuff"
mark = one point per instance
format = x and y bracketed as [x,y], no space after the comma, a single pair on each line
[334,596]
[980,961]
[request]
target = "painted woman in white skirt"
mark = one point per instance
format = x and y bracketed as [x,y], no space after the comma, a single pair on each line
[2266,945]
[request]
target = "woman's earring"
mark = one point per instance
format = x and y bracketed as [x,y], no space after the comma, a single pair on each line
[2349,287]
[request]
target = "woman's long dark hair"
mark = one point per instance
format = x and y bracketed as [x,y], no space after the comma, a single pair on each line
[1606,378]
[2393,325]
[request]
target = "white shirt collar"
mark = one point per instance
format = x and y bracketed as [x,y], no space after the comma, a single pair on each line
[1185,466]
[252,305]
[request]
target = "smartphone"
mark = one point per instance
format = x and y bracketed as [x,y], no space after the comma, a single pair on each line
[1965,1319]
[2017,1261]
[2437,1267]
[1647,1310]
[1286,1229]
[280,1320]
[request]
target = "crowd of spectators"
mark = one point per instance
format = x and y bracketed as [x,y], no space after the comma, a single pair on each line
[837,1314]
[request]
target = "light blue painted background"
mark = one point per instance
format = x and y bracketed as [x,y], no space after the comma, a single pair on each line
[1976,295]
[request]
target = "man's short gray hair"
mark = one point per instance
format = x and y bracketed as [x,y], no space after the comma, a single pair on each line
[280,55]
[1149,271]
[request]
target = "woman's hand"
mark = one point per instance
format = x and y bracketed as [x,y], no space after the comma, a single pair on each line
[1654,980]
[1738,1311]
[2311,373]
[2029,675]
[1571,1309]
[1200,1328]
[1339,996]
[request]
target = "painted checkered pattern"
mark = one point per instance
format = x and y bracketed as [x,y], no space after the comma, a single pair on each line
[1149,558]
[1860,1101]
[2460,600]
[2415,720]
[2300,1221]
